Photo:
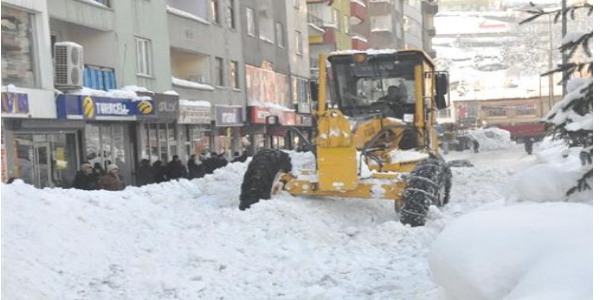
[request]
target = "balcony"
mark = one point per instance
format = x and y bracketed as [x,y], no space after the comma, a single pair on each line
[381,24]
[92,14]
[359,43]
[327,37]
[315,24]
[358,12]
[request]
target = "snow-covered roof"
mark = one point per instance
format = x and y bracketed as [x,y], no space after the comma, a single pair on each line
[200,103]
[191,84]
[269,105]
[186,14]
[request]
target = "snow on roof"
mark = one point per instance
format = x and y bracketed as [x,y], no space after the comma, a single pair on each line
[135,88]
[186,14]
[200,103]
[170,92]
[468,25]
[368,51]
[120,94]
[191,84]
[94,3]
[359,2]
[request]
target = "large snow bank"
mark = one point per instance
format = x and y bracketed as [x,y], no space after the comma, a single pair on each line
[525,251]
[491,138]
[557,169]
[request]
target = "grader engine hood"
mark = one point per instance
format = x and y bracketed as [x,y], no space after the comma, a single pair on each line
[376,132]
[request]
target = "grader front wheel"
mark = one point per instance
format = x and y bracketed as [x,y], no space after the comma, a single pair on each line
[429,183]
[259,179]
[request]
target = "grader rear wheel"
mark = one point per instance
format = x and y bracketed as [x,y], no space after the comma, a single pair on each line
[429,183]
[259,179]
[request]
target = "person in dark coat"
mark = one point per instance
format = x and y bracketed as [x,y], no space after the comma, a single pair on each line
[528,145]
[195,167]
[159,171]
[175,169]
[211,163]
[240,158]
[98,170]
[475,146]
[85,179]
[145,173]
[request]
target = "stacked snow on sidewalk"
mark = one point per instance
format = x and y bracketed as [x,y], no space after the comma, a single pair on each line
[491,138]
[524,251]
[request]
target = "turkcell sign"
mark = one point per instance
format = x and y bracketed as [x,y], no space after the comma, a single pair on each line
[99,108]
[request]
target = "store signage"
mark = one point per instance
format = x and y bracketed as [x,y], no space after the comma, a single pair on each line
[259,115]
[15,103]
[166,107]
[98,108]
[194,114]
[226,115]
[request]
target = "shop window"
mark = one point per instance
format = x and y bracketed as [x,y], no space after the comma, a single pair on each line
[495,111]
[525,110]
[18,48]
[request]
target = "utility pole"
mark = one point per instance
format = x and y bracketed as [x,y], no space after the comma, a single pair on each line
[564,54]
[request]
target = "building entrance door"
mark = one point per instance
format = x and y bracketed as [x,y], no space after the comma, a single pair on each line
[41,165]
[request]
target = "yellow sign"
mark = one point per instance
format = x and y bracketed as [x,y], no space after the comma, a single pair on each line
[88,107]
[145,107]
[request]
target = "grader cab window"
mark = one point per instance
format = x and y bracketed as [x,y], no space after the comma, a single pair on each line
[361,86]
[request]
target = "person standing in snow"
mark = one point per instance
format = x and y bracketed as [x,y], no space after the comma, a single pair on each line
[195,167]
[175,169]
[112,181]
[160,171]
[145,173]
[529,145]
[475,146]
[85,179]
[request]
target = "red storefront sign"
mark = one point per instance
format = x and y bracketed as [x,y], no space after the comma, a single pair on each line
[259,115]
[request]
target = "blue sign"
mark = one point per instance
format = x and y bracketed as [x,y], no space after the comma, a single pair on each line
[91,107]
[15,103]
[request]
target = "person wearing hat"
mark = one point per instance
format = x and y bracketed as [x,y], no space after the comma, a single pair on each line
[112,181]
[85,178]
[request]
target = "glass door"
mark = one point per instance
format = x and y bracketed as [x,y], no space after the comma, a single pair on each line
[41,165]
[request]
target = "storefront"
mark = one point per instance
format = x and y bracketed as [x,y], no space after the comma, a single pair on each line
[158,132]
[41,151]
[270,128]
[229,120]
[195,132]
[110,133]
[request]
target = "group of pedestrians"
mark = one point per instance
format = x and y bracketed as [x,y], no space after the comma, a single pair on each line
[95,178]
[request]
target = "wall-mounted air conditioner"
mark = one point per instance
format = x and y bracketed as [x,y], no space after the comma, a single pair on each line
[68,65]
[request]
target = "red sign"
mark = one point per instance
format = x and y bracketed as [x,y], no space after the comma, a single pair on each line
[260,114]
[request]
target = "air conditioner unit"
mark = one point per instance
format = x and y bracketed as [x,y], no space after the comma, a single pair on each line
[68,65]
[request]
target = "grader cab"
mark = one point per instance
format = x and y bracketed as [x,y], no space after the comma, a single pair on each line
[374,136]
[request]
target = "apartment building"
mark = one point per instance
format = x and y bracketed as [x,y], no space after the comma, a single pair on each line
[329,27]
[276,69]
[30,132]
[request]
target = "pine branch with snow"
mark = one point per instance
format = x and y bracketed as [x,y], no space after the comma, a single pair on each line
[571,119]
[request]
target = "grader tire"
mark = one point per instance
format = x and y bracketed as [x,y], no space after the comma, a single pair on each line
[429,183]
[261,172]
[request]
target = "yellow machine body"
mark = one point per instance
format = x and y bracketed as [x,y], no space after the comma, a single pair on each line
[339,141]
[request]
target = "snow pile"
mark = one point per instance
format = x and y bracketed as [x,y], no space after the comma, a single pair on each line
[527,251]
[557,169]
[491,138]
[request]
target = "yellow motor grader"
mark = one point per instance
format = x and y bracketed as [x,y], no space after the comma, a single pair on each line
[374,136]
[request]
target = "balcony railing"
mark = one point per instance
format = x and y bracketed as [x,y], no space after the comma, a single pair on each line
[358,11]
[314,19]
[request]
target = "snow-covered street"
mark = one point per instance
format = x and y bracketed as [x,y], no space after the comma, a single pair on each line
[188,240]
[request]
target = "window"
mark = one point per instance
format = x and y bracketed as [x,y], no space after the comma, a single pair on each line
[495,111]
[231,14]
[298,42]
[219,71]
[18,62]
[214,5]
[346,25]
[234,75]
[279,35]
[143,57]
[335,18]
[250,20]
[525,110]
